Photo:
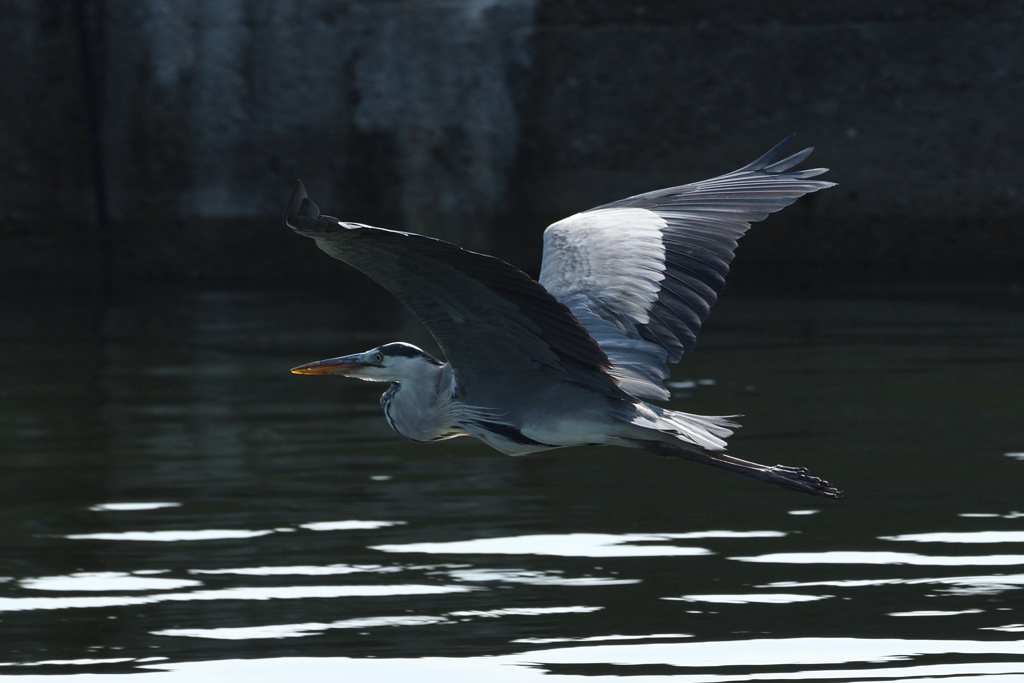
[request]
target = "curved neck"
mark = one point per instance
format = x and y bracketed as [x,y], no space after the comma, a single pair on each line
[418,406]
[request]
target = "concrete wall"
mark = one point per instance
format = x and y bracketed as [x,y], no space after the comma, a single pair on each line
[160,138]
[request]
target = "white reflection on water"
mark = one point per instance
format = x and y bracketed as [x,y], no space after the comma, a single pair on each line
[577,545]
[301,570]
[106,582]
[732,661]
[962,585]
[961,537]
[752,598]
[348,525]
[775,652]
[560,545]
[690,383]
[235,593]
[310,629]
[601,639]
[173,536]
[82,662]
[991,515]
[535,578]
[935,613]
[298,630]
[131,507]
[881,557]
[525,611]
[1002,579]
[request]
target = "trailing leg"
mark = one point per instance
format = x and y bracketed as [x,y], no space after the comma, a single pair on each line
[793,478]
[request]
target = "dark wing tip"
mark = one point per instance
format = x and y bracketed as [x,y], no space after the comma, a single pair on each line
[302,211]
[772,163]
[773,155]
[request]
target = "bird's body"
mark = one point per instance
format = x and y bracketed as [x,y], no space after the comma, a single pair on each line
[569,359]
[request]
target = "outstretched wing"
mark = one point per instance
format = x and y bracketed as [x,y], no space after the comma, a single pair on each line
[487,316]
[642,273]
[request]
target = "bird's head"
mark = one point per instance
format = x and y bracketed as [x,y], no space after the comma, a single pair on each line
[392,362]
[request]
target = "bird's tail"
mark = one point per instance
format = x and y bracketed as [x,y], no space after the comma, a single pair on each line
[701,439]
[706,432]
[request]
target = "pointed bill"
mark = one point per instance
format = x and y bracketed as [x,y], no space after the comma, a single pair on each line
[349,366]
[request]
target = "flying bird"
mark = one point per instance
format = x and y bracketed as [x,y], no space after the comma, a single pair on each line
[576,357]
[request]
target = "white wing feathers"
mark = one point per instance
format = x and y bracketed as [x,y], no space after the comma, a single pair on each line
[641,274]
[607,266]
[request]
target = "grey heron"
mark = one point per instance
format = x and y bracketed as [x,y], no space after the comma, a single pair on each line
[575,357]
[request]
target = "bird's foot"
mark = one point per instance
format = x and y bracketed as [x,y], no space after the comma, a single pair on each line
[800,479]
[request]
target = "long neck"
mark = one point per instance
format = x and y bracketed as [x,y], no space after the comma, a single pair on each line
[416,406]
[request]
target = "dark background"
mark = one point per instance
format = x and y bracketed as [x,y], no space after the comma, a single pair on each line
[158,141]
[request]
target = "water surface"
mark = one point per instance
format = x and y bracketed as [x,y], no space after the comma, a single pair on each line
[177,506]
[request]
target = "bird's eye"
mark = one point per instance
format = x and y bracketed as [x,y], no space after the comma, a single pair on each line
[378,358]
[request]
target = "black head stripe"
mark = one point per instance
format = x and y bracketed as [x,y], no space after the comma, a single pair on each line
[408,351]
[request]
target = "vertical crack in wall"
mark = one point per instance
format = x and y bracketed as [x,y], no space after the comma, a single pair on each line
[89,21]
[437,78]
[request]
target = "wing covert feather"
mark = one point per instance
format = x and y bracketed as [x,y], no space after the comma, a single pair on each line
[487,316]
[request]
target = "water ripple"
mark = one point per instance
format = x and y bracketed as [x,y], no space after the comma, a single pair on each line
[176,535]
[310,629]
[577,544]
[173,536]
[348,525]
[881,557]
[300,570]
[960,537]
[534,577]
[234,593]
[297,630]
[963,585]
[730,661]
[131,507]
[752,598]
[106,582]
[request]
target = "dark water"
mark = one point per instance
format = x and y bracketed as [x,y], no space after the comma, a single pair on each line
[176,506]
